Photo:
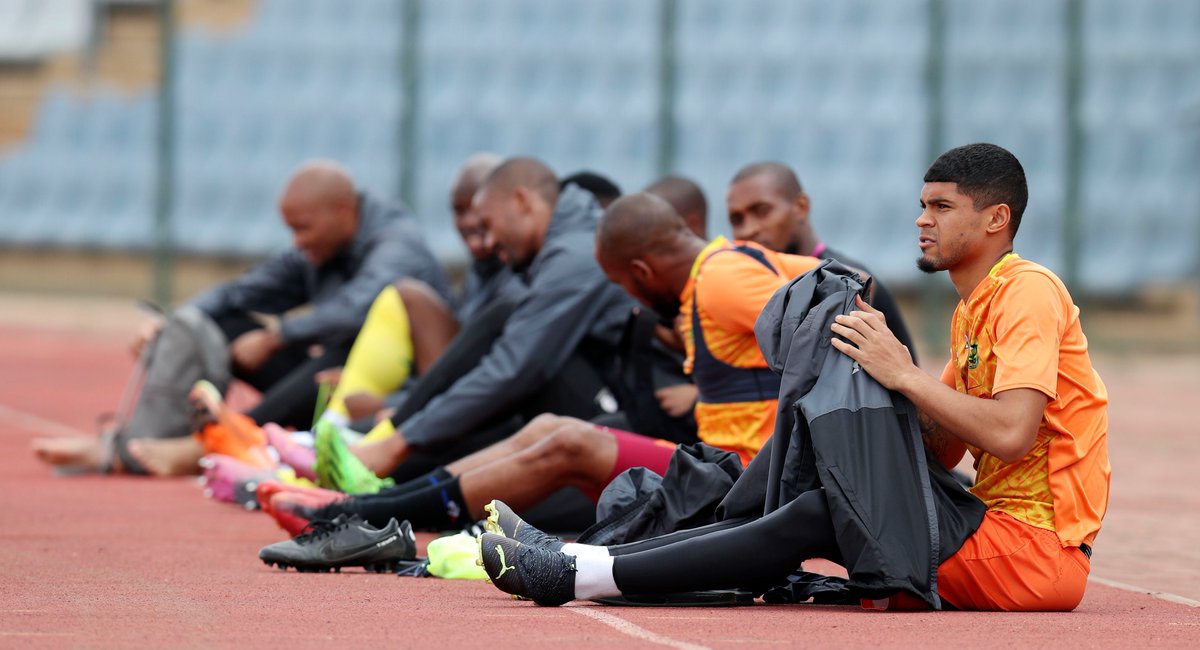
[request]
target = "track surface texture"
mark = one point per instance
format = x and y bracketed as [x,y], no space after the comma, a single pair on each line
[126,562]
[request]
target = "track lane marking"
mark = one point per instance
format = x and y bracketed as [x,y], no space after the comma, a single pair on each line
[632,629]
[1161,595]
[26,419]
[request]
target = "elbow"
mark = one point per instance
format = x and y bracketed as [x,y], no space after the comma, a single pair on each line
[1014,446]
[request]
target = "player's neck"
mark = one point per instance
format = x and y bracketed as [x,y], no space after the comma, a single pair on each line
[967,275]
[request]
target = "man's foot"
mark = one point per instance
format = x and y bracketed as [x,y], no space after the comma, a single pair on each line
[84,453]
[545,577]
[292,507]
[347,541]
[291,453]
[232,481]
[228,432]
[167,456]
[339,469]
[501,520]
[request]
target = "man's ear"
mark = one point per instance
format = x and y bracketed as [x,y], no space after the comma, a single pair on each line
[641,270]
[999,216]
[524,200]
[802,206]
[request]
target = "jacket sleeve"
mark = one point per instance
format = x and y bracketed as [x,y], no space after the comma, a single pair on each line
[272,287]
[564,299]
[387,259]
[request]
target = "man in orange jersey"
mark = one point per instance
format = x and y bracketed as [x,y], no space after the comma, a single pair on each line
[1019,392]
[718,288]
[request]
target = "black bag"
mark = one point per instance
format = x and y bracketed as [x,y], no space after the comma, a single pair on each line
[638,504]
[644,365]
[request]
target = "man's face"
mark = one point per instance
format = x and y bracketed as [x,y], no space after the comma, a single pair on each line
[758,212]
[646,289]
[508,225]
[469,225]
[319,229]
[949,227]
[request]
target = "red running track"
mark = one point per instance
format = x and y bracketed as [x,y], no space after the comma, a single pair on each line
[120,562]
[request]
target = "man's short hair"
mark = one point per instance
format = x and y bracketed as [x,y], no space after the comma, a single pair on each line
[781,175]
[986,173]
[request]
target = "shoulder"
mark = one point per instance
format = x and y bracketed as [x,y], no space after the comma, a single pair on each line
[729,275]
[568,253]
[1030,291]
[1022,280]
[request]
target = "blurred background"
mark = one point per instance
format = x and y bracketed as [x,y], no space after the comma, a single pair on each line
[143,143]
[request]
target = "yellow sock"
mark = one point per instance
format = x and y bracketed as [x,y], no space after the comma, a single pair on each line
[381,358]
[384,429]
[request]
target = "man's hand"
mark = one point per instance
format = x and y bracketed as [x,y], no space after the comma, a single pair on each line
[874,346]
[252,349]
[146,333]
[669,336]
[677,400]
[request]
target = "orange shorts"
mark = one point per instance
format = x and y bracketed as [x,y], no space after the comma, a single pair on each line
[1008,565]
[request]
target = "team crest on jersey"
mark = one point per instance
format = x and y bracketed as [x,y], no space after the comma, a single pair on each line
[972,350]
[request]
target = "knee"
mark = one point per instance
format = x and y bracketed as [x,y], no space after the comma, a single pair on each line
[537,430]
[572,444]
[546,422]
[414,292]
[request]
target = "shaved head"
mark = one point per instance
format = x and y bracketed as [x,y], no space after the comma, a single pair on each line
[687,198]
[529,173]
[319,181]
[637,225]
[644,246]
[470,176]
[782,178]
[320,207]
[515,205]
[766,205]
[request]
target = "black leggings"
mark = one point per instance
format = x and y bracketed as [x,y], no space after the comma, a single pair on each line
[571,392]
[755,554]
[286,378]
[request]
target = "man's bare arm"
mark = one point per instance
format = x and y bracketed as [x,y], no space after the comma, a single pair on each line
[945,446]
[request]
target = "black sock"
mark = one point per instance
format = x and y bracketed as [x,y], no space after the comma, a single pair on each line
[435,507]
[438,475]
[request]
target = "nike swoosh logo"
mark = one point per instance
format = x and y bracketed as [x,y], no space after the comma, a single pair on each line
[503,563]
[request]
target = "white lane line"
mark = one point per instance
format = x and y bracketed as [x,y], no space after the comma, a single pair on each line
[29,420]
[625,627]
[1161,595]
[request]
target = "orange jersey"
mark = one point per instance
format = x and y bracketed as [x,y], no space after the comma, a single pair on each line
[1020,329]
[730,290]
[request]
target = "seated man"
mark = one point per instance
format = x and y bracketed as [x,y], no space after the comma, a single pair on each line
[767,205]
[410,324]
[545,352]
[1020,394]
[347,246]
[645,247]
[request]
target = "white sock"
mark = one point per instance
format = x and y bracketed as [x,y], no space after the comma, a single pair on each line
[580,550]
[339,420]
[594,576]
